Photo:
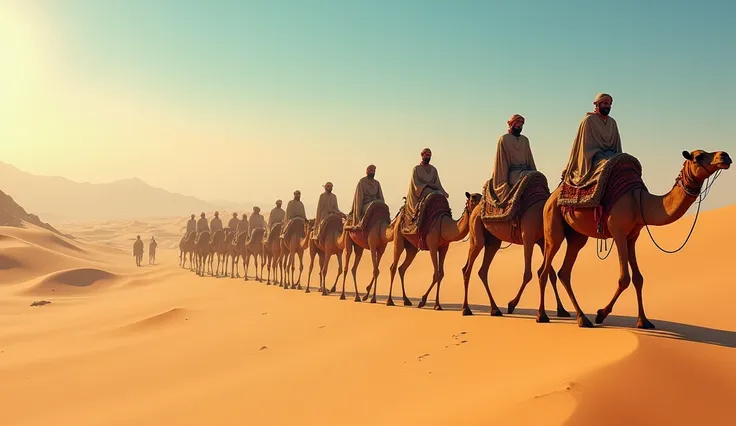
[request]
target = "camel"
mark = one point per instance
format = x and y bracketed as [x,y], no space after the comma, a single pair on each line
[273,254]
[634,210]
[440,232]
[218,247]
[293,243]
[329,246]
[254,247]
[237,248]
[186,246]
[227,247]
[202,252]
[528,231]
[374,237]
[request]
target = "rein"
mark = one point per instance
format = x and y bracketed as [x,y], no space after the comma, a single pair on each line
[692,188]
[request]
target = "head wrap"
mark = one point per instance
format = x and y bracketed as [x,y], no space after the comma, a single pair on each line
[427,150]
[601,97]
[297,192]
[235,214]
[369,168]
[256,209]
[327,184]
[279,201]
[514,118]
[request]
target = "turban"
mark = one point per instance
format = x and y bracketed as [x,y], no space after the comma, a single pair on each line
[327,184]
[427,150]
[235,214]
[514,118]
[601,97]
[297,192]
[371,167]
[256,209]
[279,201]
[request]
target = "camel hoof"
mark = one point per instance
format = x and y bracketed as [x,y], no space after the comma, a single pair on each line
[357,298]
[496,312]
[268,282]
[246,279]
[437,307]
[342,296]
[542,318]
[299,287]
[422,303]
[333,289]
[562,313]
[390,302]
[325,293]
[584,322]
[307,290]
[407,302]
[373,300]
[511,307]
[645,324]
[467,312]
[601,316]
[366,296]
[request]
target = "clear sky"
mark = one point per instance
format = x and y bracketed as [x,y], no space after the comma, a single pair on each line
[249,100]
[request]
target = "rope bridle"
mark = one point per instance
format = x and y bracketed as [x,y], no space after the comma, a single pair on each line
[692,188]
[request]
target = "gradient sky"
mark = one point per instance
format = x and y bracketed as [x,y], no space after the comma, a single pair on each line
[247,101]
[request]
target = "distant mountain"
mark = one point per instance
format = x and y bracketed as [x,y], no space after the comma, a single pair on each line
[61,200]
[11,214]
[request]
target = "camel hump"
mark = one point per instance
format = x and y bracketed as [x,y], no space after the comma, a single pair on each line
[293,226]
[431,207]
[610,179]
[256,236]
[531,189]
[377,211]
[274,232]
[204,235]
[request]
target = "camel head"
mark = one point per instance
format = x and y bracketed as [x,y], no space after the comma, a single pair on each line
[472,201]
[702,164]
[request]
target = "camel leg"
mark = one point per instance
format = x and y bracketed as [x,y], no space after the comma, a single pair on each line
[561,311]
[528,252]
[411,253]
[312,253]
[300,253]
[638,280]
[442,251]
[348,253]
[575,243]
[323,274]
[624,278]
[473,252]
[268,269]
[339,272]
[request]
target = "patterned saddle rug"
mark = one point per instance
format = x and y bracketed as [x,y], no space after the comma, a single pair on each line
[376,212]
[611,180]
[531,189]
[332,219]
[432,206]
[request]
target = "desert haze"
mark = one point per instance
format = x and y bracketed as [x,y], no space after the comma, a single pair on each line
[121,345]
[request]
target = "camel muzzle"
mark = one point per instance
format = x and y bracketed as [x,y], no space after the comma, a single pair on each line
[726,161]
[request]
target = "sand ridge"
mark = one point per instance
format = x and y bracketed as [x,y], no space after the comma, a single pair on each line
[158,345]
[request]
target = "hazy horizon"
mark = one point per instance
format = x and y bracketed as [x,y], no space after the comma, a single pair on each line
[208,100]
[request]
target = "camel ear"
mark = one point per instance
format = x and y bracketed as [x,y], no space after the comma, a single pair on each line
[467,195]
[687,155]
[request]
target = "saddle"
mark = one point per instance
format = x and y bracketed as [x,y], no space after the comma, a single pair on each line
[252,235]
[531,189]
[290,226]
[432,206]
[273,233]
[610,181]
[377,211]
[318,230]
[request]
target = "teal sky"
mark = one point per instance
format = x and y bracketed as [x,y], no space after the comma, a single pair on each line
[319,89]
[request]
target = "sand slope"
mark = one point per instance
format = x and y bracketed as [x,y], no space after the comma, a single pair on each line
[121,345]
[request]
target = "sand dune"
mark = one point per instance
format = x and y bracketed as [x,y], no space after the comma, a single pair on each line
[121,345]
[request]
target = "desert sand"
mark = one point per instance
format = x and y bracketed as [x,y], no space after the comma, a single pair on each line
[157,345]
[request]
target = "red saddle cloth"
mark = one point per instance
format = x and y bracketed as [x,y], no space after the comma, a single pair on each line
[432,206]
[610,181]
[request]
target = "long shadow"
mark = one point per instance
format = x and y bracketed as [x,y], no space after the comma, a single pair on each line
[665,329]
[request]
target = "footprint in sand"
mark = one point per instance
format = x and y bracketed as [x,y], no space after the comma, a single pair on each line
[40,303]
[263,348]
[422,356]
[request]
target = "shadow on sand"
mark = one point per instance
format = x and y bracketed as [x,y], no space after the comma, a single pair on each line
[665,329]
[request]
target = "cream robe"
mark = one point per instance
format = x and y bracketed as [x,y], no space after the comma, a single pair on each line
[421,176]
[327,204]
[597,139]
[514,159]
[277,215]
[215,224]
[202,225]
[295,209]
[233,223]
[256,221]
[367,191]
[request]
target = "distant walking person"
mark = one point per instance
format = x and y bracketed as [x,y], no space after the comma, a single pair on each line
[152,251]
[138,251]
